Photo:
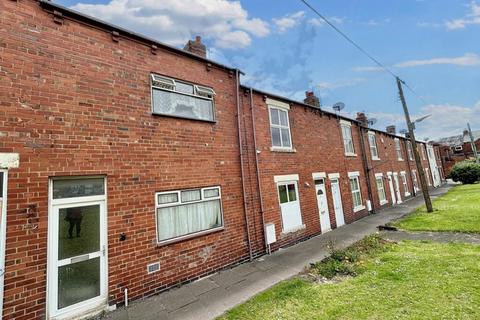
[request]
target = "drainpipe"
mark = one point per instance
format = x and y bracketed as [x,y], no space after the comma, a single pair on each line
[407,158]
[240,144]
[365,167]
[262,212]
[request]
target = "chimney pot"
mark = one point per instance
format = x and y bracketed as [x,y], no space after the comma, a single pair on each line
[196,47]
[311,99]
[362,118]
[392,129]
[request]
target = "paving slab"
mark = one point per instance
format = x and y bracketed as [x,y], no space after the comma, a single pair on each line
[210,297]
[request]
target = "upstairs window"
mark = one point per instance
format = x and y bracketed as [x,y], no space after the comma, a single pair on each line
[373,146]
[182,99]
[280,127]
[347,138]
[398,148]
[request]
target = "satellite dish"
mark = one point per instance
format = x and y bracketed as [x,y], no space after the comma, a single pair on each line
[372,121]
[404,131]
[338,106]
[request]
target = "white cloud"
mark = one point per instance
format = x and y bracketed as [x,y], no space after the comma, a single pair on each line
[472,18]
[446,120]
[467,60]
[224,22]
[318,22]
[288,21]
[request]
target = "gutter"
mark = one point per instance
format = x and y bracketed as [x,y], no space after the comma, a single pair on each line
[366,167]
[240,144]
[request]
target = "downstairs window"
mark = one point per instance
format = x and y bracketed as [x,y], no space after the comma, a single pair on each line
[186,213]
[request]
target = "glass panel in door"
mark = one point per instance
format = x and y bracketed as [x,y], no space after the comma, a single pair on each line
[79,254]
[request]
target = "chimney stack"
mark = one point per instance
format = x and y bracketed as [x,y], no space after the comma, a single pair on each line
[362,118]
[196,47]
[466,133]
[311,99]
[392,129]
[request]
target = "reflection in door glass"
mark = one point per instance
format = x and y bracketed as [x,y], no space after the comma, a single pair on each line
[78,231]
[78,282]
[292,194]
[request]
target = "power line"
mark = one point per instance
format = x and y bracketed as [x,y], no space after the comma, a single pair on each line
[365,52]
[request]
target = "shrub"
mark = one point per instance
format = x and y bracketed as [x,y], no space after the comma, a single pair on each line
[466,172]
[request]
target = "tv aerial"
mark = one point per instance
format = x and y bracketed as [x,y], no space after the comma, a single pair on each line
[338,106]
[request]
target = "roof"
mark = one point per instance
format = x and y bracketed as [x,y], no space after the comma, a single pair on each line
[460,139]
[75,15]
[289,100]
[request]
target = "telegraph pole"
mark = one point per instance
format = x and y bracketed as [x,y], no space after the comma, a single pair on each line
[474,147]
[421,173]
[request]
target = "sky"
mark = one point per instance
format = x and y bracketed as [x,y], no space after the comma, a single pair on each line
[284,48]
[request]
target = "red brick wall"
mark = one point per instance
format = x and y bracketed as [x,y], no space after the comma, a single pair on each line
[316,138]
[73,102]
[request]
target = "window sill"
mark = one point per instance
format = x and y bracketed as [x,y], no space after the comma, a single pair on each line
[400,159]
[350,154]
[383,202]
[188,236]
[407,194]
[375,158]
[294,229]
[285,150]
[359,208]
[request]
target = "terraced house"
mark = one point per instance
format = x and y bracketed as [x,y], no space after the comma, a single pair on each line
[129,166]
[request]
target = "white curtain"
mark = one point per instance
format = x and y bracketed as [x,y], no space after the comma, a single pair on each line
[185,219]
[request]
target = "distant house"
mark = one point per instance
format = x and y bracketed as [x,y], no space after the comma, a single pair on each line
[457,148]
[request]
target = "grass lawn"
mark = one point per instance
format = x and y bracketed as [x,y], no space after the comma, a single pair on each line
[408,280]
[458,210]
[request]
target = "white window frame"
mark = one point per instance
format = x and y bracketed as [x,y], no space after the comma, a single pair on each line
[356,176]
[410,150]
[427,176]
[403,174]
[398,149]
[347,125]
[179,203]
[164,83]
[372,141]
[379,177]
[281,107]
[424,156]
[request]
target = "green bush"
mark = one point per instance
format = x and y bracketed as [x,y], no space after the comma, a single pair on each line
[466,172]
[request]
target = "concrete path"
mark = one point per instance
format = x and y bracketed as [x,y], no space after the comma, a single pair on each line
[210,297]
[444,237]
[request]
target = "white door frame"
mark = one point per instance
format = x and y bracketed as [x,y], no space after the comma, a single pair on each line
[335,180]
[91,306]
[326,214]
[392,190]
[397,188]
[3,233]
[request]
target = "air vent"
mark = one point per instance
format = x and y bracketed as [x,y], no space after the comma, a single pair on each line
[153,267]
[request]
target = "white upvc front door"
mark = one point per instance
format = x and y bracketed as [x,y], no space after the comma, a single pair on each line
[397,187]
[3,230]
[77,256]
[289,205]
[392,191]
[322,205]
[337,202]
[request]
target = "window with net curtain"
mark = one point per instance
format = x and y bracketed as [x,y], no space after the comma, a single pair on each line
[185,213]
[181,99]
[347,139]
